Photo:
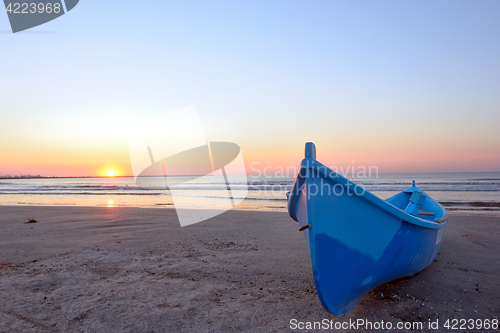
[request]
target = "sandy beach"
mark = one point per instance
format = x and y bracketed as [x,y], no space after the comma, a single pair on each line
[89,269]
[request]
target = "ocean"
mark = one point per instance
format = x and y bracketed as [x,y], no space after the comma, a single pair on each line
[464,192]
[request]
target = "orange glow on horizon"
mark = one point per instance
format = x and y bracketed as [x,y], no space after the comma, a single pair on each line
[445,154]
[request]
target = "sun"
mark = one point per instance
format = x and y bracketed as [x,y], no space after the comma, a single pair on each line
[111,171]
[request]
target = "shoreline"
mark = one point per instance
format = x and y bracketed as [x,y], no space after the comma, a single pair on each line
[130,269]
[485,213]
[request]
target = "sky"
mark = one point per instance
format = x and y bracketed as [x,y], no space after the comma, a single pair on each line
[403,86]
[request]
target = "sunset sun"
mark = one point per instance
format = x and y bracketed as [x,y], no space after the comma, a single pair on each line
[110,171]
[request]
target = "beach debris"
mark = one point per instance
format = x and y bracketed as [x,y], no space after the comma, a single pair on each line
[31,221]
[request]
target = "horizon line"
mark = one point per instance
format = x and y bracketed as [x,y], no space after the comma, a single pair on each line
[131,176]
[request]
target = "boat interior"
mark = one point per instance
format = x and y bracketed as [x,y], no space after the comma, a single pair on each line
[416,202]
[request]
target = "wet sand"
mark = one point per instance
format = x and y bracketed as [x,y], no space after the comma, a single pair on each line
[136,270]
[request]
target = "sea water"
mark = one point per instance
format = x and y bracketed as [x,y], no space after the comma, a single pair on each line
[472,192]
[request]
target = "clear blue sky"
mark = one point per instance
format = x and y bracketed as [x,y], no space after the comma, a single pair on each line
[366,80]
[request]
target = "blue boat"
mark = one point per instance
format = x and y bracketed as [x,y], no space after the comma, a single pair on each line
[357,240]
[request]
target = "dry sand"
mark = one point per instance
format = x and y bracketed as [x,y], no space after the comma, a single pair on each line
[136,270]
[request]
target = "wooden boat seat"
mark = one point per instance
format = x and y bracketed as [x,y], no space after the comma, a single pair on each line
[416,200]
[442,219]
[424,212]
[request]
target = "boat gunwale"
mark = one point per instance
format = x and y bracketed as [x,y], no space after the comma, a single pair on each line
[311,163]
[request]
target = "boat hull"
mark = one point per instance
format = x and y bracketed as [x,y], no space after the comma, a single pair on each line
[357,240]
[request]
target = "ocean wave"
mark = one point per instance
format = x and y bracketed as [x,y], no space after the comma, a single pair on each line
[252,186]
[381,182]
[267,199]
[471,203]
[82,193]
[266,189]
[429,183]
[473,209]
[429,189]
[265,182]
